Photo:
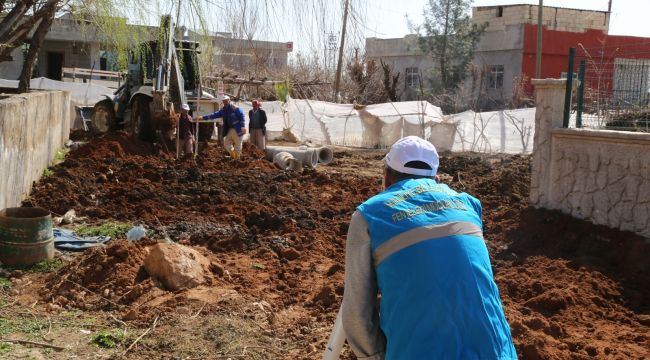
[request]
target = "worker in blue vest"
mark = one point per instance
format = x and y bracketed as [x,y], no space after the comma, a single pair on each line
[418,279]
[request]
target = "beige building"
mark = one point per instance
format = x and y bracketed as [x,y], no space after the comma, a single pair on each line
[251,55]
[404,56]
[71,44]
[500,58]
[67,44]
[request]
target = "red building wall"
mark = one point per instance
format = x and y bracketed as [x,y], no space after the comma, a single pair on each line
[602,48]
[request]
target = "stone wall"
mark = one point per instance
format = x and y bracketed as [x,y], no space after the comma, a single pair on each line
[598,175]
[33,127]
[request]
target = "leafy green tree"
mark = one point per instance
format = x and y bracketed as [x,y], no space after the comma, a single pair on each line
[449,37]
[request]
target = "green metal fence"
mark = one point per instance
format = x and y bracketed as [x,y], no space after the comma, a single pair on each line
[613,88]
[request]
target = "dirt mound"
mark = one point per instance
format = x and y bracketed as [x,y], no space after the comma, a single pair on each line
[557,311]
[501,185]
[117,144]
[570,289]
[105,277]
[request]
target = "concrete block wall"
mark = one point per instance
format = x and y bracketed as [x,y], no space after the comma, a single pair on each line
[598,175]
[553,18]
[33,127]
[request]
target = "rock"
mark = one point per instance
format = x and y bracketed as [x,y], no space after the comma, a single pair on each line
[290,254]
[131,315]
[334,269]
[183,310]
[591,350]
[217,269]
[176,266]
[325,297]
[69,217]
[53,308]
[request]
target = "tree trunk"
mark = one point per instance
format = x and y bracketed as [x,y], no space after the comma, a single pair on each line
[14,16]
[34,45]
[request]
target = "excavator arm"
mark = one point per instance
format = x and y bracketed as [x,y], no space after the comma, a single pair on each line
[168,93]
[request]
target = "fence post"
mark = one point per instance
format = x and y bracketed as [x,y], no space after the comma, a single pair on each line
[569,88]
[548,116]
[581,92]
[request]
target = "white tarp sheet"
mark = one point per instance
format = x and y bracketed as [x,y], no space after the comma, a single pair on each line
[380,125]
[81,94]
[504,131]
[377,125]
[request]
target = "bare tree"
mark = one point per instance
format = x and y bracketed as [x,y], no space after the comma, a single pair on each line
[390,81]
[21,19]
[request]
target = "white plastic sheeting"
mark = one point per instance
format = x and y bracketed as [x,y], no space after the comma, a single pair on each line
[505,131]
[81,94]
[380,125]
[377,125]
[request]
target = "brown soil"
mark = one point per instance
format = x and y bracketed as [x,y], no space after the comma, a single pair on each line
[570,289]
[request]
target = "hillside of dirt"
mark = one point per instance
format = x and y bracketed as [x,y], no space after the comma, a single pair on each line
[571,290]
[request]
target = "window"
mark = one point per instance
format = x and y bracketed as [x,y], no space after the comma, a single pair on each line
[563,75]
[500,11]
[495,77]
[412,78]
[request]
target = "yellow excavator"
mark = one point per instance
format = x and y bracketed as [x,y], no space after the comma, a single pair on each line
[162,75]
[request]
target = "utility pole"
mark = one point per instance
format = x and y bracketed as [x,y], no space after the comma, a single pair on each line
[337,82]
[609,14]
[538,64]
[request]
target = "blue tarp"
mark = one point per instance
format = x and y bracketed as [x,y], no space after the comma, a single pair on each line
[68,240]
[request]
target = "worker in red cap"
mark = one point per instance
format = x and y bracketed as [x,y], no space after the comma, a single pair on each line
[257,125]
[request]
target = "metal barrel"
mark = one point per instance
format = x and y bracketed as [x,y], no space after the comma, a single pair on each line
[25,236]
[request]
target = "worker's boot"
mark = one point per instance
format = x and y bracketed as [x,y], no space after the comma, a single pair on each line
[237,155]
[232,154]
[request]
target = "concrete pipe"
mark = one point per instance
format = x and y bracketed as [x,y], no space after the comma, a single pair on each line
[325,155]
[307,157]
[287,162]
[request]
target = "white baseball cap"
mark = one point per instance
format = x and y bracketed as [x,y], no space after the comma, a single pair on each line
[185,107]
[412,148]
[224,97]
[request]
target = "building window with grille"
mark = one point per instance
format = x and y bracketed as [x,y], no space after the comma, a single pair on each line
[412,77]
[495,77]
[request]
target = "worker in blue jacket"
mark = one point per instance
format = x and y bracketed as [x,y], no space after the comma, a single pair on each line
[419,247]
[234,126]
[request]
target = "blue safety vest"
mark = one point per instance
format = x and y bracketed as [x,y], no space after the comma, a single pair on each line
[438,296]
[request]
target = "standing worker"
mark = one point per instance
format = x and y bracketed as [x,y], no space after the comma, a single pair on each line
[234,126]
[419,245]
[257,125]
[185,131]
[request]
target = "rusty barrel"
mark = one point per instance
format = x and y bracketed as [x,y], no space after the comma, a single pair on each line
[25,236]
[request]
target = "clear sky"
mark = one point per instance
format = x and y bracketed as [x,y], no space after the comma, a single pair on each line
[386,18]
[308,22]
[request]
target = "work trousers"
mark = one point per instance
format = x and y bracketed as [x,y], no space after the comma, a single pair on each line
[232,141]
[186,145]
[258,138]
